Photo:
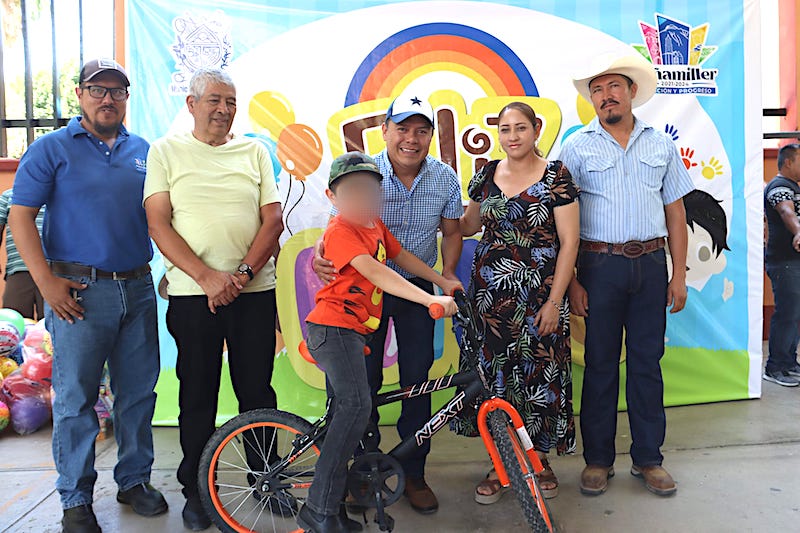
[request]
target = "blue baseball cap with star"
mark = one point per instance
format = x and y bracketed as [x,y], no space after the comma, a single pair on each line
[408,105]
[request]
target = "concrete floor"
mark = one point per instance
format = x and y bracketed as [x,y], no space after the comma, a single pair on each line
[737,465]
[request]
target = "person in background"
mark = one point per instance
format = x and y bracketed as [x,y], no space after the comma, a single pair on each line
[782,208]
[421,195]
[94,275]
[524,262]
[346,311]
[632,185]
[21,293]
[220,271]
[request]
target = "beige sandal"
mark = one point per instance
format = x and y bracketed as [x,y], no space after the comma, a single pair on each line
[547,476]
[494,486]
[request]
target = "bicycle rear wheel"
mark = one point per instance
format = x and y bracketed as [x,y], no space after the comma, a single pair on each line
[521,474]
[236,472]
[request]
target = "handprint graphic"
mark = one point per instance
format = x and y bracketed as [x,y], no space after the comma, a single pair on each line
[672,131]
[712,169]
[686,156]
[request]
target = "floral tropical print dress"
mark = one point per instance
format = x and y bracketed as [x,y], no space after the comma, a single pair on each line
[512,274]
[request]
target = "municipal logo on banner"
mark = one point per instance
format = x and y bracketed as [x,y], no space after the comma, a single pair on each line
[678,51]
[200,42]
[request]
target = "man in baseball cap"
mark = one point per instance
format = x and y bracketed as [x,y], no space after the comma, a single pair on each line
[93,272]
[632,185]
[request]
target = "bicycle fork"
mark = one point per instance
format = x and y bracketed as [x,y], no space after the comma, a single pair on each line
[498,404]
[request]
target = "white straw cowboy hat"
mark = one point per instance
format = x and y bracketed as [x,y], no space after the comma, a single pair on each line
[634,67]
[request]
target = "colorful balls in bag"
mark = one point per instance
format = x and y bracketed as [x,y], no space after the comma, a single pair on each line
[12,316]
[9,337]
[37,337]
[7,366]
[29,413]
[39,368]
[5,416]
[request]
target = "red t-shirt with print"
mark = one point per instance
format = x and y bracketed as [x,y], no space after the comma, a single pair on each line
[351,301]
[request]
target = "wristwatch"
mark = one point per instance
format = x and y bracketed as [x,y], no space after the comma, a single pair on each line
[244,268]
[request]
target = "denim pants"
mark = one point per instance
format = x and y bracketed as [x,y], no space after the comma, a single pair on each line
[247,325]
[413,329]
[120,327]
[340,352]
[627,294]
[783,327]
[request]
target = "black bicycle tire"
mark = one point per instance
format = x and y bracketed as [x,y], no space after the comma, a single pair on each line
[221,434]
[527,500]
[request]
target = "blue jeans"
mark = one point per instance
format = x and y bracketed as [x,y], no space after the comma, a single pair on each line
[783,327]
[627,294]
[120,327]
[340,352]
[413,328]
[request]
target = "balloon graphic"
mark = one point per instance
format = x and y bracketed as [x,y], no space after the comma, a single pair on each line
[272,148]
[303,349]
[300,153]
[585,109]
[270,111]
[299,150]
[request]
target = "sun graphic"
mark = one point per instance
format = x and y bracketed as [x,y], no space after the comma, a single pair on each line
[712,169]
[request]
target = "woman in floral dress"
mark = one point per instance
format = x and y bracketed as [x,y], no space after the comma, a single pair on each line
[522,267]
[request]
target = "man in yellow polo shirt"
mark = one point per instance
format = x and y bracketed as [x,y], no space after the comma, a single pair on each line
[213,210]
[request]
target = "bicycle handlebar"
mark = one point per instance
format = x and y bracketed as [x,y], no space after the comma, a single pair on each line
[436,311]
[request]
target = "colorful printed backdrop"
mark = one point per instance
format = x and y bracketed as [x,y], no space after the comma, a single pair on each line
[314,82]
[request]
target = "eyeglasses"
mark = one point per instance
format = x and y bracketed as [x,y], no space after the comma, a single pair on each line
[100,92]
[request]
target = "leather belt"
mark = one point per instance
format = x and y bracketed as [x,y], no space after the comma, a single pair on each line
[630,249]
[74,269]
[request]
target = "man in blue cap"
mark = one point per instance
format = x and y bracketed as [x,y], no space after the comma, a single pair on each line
[421,196]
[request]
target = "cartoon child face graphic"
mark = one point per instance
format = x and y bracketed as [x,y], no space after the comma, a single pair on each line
[708,230]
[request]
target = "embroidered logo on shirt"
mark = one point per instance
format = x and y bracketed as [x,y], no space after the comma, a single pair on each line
[141,164]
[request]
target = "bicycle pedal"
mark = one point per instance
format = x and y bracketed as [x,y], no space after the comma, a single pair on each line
[385,524]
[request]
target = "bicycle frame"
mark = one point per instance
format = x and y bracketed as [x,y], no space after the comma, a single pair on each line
[452,408]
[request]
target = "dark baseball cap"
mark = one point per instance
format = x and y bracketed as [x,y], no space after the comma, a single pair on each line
[97,66]
[353,162]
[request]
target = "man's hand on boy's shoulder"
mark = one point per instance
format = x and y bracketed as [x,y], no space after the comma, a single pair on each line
[323,268]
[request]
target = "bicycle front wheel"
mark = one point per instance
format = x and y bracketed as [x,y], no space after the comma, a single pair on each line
[243,484]
[521,474]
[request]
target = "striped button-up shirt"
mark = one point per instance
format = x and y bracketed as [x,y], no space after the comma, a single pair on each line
[414,215]
[624,191]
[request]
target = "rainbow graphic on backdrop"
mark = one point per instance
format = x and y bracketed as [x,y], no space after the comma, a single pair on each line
[419,50]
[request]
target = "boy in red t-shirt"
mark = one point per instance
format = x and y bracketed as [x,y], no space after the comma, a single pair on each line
[347,310]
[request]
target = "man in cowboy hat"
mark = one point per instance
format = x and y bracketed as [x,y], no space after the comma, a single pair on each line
[632,182]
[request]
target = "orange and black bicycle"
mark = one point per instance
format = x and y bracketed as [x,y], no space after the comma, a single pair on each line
[256,469]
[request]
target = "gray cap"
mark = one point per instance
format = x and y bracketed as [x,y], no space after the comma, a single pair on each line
[97,66]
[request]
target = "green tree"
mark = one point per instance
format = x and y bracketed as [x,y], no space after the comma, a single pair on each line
[42,80]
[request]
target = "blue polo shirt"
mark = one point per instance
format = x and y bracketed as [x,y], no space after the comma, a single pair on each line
[93,195]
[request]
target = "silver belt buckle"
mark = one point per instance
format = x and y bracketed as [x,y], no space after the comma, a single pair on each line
[633,249]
